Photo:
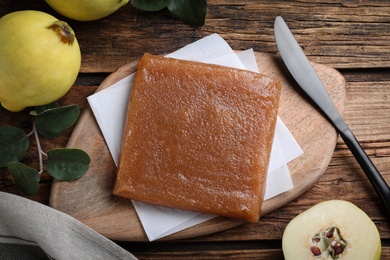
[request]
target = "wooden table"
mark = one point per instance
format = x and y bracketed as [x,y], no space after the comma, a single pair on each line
[351,36]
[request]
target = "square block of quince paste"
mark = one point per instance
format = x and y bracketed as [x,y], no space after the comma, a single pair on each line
[198,137]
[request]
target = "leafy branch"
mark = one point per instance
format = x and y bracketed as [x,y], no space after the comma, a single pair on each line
[63,164]
[192,12]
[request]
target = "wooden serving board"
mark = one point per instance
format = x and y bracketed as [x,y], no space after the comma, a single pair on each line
[90,200]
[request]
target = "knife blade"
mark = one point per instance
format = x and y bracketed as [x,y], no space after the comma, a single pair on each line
[308,80]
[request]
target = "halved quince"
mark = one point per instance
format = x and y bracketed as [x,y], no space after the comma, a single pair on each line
[333,229]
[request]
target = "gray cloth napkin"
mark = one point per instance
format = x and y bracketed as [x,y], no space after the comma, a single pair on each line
[30,230]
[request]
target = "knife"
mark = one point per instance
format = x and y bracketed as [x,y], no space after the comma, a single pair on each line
[306,77]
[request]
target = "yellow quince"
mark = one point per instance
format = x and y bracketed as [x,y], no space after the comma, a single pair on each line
[86,10]
[39,59]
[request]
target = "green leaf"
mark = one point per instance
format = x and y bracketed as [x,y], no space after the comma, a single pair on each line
[41,109]
[26,178]
[150,5]
[13,144]
[47,134]
[67,164]
[51,122]
[192,12]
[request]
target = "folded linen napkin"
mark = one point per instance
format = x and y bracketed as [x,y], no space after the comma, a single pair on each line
[30,230]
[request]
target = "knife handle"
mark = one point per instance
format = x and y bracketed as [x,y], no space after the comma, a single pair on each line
[376,179]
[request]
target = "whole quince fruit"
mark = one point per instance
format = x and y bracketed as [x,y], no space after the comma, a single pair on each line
[39,59]
[86,10]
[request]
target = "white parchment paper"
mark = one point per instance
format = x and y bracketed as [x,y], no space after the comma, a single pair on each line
[109,107]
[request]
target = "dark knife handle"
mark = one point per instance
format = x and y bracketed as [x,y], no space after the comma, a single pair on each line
[376,179]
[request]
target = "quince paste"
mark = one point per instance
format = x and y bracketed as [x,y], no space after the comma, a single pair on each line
[198,137]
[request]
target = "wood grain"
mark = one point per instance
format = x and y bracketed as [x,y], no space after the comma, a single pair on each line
[90,198]
[325,29]
[351,36]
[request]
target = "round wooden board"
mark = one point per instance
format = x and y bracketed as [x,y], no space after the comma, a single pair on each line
[90,200]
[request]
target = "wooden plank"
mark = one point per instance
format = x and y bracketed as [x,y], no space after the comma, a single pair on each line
[269,254]
[351,34]
[235,250]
